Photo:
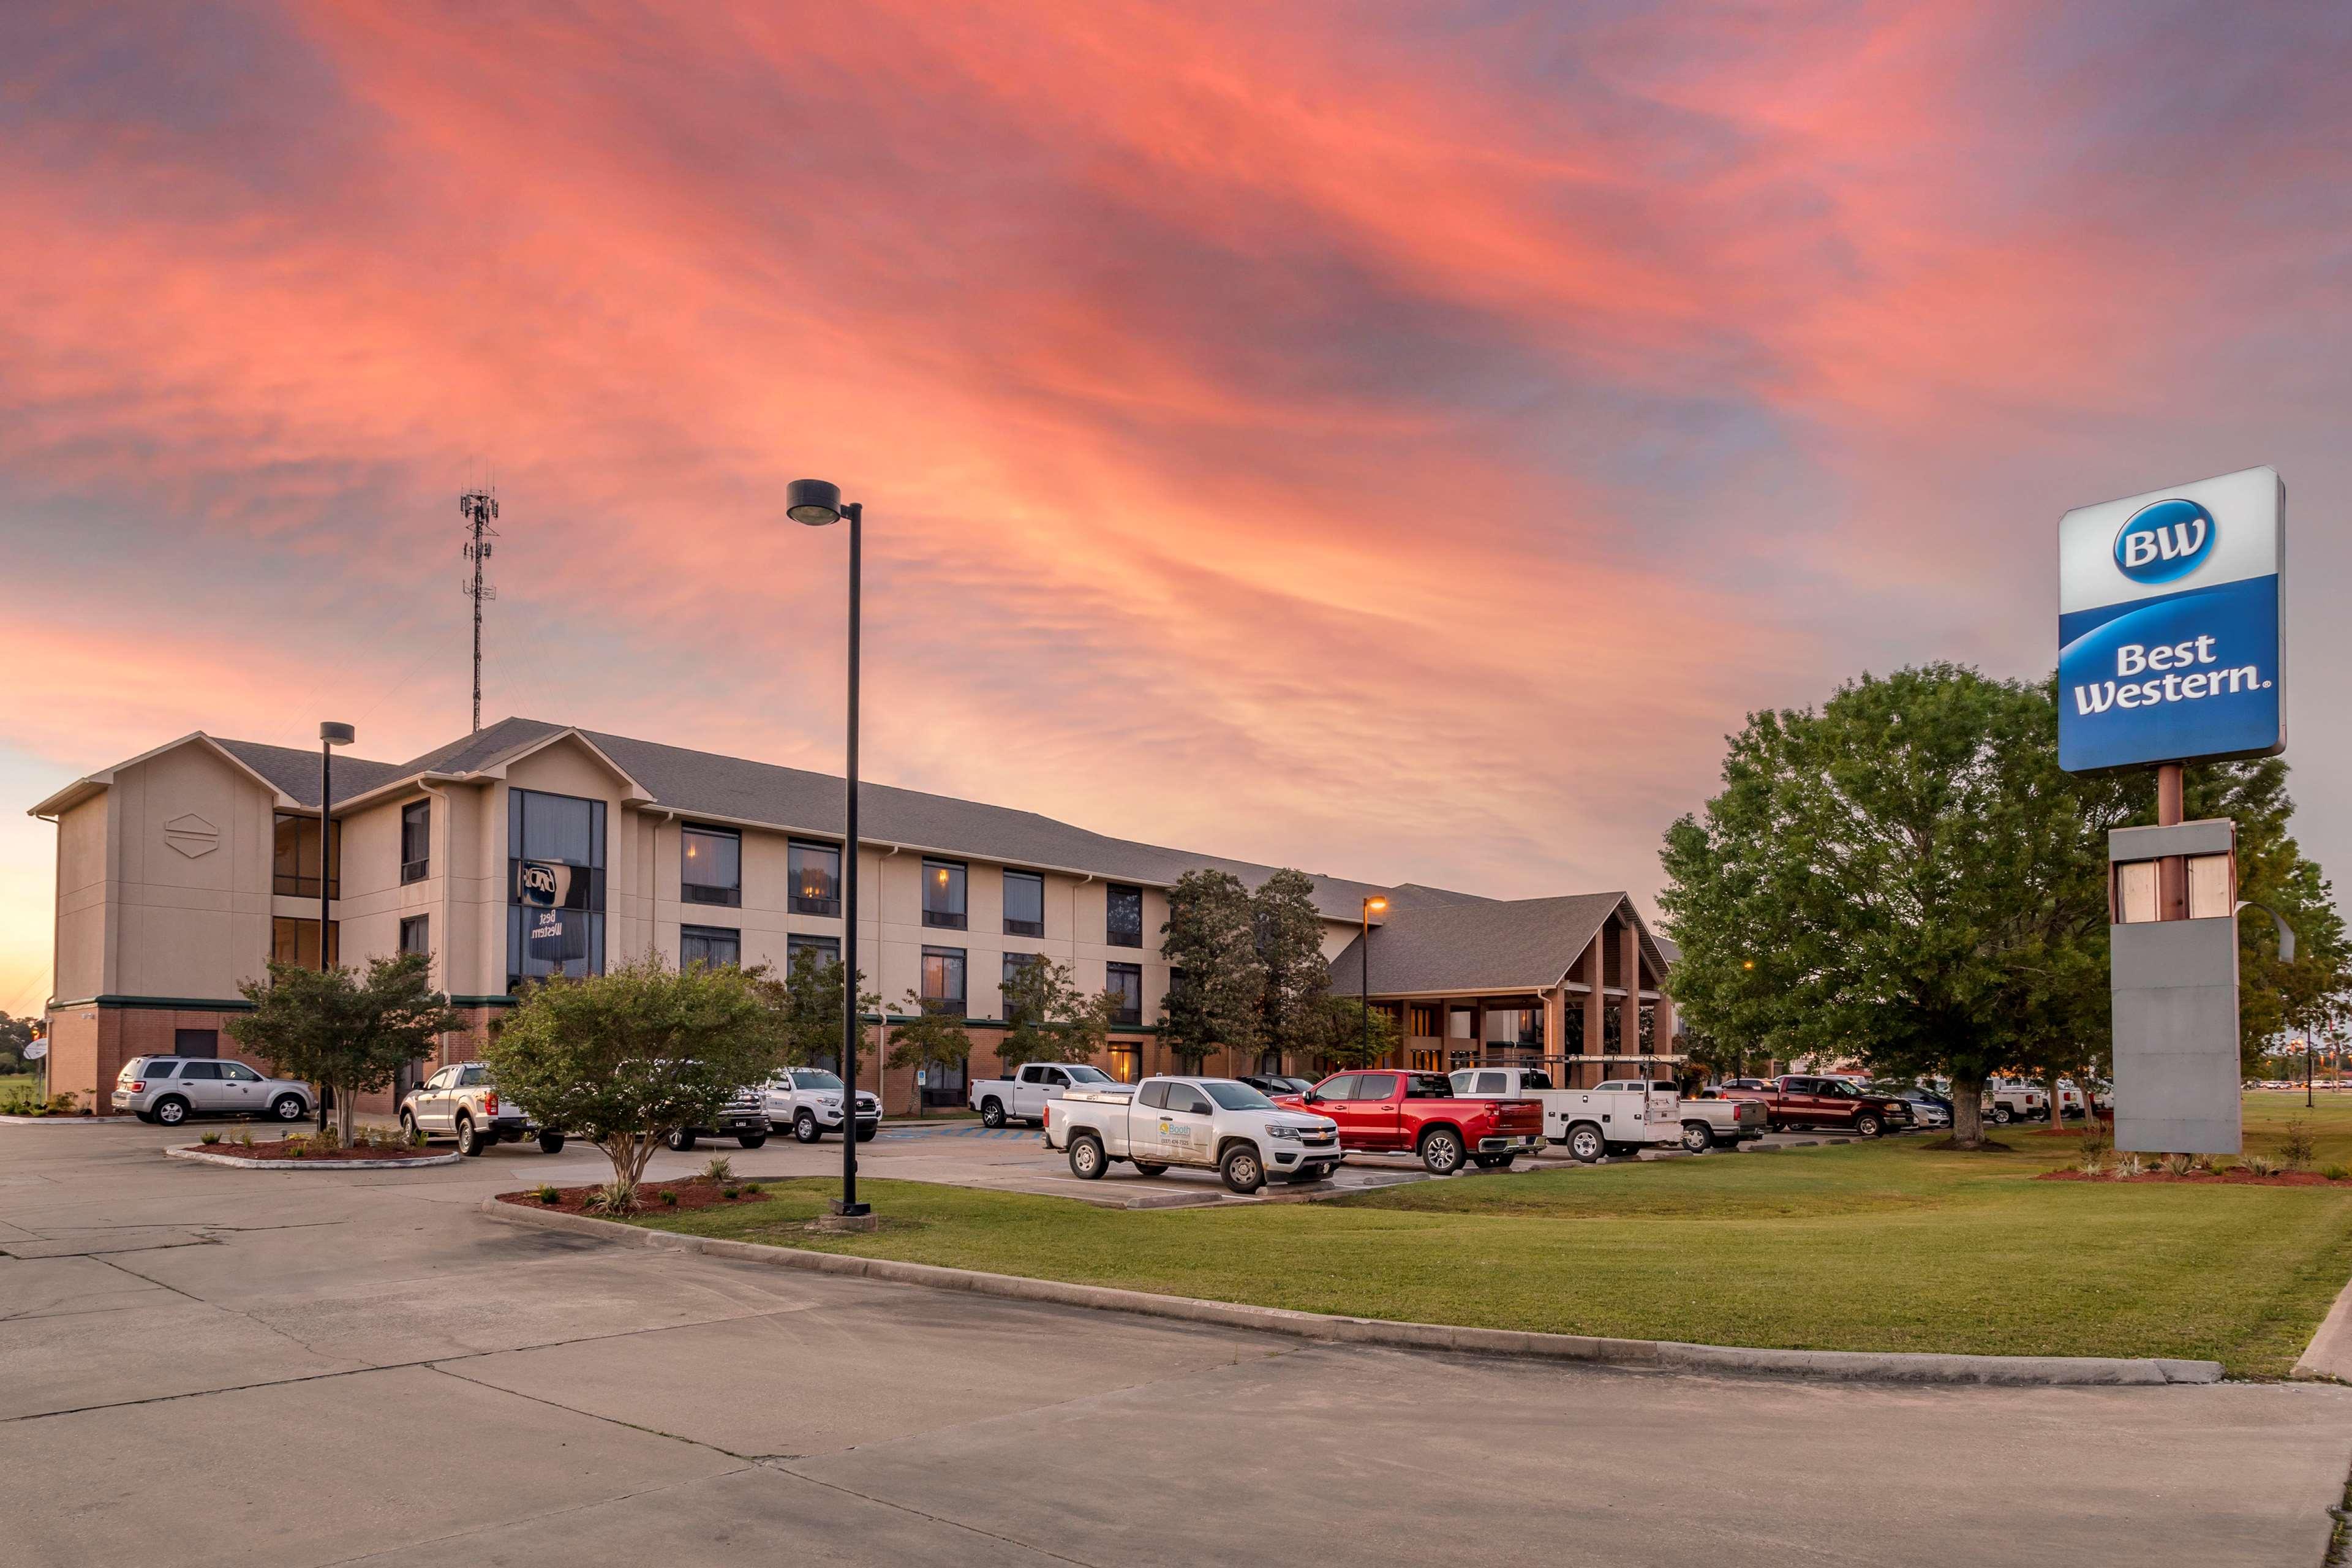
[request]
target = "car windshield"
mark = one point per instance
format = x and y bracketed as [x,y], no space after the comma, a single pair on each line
[1089,1075]
[1534,1078]
[1235,1096]
[815,1077]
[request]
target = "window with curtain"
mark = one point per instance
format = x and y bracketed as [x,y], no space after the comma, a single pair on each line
[714,947]
[1025,904]
[815,873]
[1123,916]
[1126,979]
[943,894]
[416,841]
[943,980]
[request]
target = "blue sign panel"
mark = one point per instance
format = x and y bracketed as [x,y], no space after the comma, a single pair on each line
[2169,625]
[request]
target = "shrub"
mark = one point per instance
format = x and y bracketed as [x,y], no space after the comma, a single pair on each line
[2296,1147]
[2337,1173]
[547,1195]
[2092,1162]
[669,1198]
[618,1195]
[727,1192]
[719,1168]
[752,1188]
[2259,1165]
[245,1139]
[2125,1167]
[295,1143]
[2178,1164]
[209,1139]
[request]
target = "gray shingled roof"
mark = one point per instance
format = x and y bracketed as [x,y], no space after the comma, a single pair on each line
[1476,944]
[297,772]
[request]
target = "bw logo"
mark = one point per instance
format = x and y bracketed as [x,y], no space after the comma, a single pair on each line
[2163,541]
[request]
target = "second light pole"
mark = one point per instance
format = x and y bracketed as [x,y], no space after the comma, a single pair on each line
[1372,906]
[819,504]
[331,735]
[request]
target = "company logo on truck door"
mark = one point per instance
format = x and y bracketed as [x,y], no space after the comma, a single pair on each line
[2164,540]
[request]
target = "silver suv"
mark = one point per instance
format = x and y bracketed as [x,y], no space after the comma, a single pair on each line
[170,1090]
[461,1102]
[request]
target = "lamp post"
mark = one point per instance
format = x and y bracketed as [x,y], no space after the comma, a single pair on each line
[331,735]
[1374,905]
[818,504]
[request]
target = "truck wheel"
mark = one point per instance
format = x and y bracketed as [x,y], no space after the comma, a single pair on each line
[171,1111]
[1868,1126]
[471,1144]
[1697,1137]
[804,1127]
[1087,1160]
[1584,1144]
[991,1112]
[751,1140]
[551,1142]
[1241,1169]
[408,1127]
[2001,1114]
[680,1140]
[288,1108]
[1150,1168]
[1441,1151]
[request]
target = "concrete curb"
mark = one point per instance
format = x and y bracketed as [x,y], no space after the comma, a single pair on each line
[1848,1366]
[236,1162]
[2328,1357]
[68,1120]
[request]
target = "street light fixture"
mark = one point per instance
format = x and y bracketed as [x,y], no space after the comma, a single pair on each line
[331,735]
[1374,905]
[819,505]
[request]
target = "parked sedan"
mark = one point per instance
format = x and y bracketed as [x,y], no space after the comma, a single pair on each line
[170,1090]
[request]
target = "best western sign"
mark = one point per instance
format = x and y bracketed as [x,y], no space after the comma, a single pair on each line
[2169,611]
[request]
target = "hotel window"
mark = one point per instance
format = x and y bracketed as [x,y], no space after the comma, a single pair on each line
[1126,979]
[711,867]
[297,942]
[943,895]
[561,836]
[1127,1063]
[1513,1027]
[417,935]
[824,950]
[713,947]
[943,981]
[1123,916]
[815,873]
[415,841]
[1025,904]
[295,872]
[1015,963]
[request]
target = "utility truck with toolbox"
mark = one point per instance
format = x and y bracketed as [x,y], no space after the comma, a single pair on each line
[1622,1116]
[1207,1123]
[1023,1097]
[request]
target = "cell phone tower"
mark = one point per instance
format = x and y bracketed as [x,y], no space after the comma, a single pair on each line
[478,507]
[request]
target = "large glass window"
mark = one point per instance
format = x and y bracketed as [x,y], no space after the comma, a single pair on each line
[943,903]
[824,948]
[1126,979]
[711,869]
[1513,1027]
[295,871]
[297,942]
[713,947]
[1025,904]
[816,878]
[417,934]
[943,990]
[1123,922]
[1015,963]
[416,841]
[555,886]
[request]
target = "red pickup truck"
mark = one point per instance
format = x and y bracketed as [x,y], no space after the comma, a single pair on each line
[1392,1112]
[1794,1101]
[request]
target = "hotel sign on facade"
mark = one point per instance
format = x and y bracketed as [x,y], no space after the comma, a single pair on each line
[2170,609]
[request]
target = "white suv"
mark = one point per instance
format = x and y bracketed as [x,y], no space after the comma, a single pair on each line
[170,1090]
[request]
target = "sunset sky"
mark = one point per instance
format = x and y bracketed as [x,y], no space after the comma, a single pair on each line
[1394,440]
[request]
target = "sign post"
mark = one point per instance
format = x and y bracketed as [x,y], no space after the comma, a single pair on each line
[2170,614]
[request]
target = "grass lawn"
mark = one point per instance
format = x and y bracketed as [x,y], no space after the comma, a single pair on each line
[1885,1245]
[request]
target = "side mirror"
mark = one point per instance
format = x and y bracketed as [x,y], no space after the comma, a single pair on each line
[1309,1097]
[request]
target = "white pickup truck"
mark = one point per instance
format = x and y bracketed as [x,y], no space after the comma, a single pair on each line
[1210,1123]
[1620,1118]
[1023,1097]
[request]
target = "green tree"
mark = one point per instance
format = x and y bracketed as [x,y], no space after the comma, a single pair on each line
[16,1034]
[624,1058]
[344,1030]
[1212,937]
[1356,1035]
[922,1038]
[1292,1017]
[806,1001]
[1901,876]
[1049,1020]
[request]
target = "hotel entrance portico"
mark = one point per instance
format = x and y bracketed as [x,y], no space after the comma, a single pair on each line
[1537,983]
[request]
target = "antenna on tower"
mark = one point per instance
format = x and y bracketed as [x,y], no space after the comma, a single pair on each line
[478,507]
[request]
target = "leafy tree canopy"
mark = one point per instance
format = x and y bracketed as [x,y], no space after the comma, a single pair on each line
[1355,1035]
[806,1001]
[1050,1020]
[1293,1018]
[344,1029]
[1212,936]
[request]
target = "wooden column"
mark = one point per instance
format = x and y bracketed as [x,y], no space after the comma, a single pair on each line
[1555,1026]
[1629,970]
[1595,971]
[1666,1023]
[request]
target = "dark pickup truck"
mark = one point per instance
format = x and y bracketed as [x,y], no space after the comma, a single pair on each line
[1392,1112]
[1835,1102]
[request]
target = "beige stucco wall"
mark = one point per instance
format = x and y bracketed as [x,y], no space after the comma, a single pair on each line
[190,838]
[83,837]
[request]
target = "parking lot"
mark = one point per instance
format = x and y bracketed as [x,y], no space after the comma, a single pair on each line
[205,1365]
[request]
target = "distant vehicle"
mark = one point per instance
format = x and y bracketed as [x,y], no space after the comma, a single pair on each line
[1276,1083]
[1023,1097]
[743,1118]
[461,1102]
[170,1090]
[1219,1124]
[808,1100]
[1804,1101]
[1392,1112]
[2007,1100]
[1621,1117]
[1745,1083]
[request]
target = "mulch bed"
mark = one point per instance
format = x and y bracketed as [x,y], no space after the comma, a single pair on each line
[279,1151]
[692,1191]
[2202,1178]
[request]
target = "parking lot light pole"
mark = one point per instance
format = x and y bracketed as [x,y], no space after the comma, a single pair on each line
[331,735]
[1374,905]
[818,504]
